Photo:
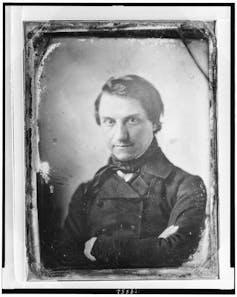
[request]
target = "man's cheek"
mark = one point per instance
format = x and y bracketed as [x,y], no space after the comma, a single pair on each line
[106,136]
[109,141]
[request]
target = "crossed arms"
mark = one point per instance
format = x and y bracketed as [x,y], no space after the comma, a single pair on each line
[179,239]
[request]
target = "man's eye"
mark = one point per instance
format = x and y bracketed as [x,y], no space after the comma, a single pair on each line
[133,121]
[108,122]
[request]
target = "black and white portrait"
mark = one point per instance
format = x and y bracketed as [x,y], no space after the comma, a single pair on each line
[122,146]
[118,148]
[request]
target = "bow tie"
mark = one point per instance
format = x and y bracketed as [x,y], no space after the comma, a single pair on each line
[126,176]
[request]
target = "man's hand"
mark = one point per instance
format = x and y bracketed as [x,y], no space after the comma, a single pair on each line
[88,247]
[169,231]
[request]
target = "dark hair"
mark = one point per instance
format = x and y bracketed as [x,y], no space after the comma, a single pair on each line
[136,87]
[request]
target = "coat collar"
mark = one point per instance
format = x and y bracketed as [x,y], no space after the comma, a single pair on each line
[158,165]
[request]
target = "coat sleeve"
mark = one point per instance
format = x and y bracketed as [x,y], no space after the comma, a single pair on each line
[72,237]
[188,213]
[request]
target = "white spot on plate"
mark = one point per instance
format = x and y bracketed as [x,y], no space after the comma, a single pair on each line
[44,170]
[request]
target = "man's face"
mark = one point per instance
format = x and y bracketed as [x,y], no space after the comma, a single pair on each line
[128,131]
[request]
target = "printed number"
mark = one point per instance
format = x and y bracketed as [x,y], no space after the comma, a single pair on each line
[126,291]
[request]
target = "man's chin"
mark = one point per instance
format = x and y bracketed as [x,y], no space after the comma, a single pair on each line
[124,157]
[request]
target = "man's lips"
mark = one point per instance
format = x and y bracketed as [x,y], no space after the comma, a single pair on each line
[122,145]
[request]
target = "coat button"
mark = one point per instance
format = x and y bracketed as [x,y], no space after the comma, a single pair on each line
[100,203]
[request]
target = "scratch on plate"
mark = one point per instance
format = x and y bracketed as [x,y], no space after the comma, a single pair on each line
[49,51]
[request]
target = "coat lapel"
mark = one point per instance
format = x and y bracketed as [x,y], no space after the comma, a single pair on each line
[116,187]
[158,165]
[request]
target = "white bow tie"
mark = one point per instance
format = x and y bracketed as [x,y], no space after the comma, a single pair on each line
[125,176]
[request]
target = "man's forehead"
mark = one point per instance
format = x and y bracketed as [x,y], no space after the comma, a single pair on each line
[117,106]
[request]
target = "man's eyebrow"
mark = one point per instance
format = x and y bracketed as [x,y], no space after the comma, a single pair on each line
[132,115]
[106,117]
[125,118]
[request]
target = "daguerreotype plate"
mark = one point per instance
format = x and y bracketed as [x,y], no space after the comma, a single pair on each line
[66,64]
[121,135]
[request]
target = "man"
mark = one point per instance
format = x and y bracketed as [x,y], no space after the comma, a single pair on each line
[139,210]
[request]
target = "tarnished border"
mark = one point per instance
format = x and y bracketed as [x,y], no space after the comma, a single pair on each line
[37,36]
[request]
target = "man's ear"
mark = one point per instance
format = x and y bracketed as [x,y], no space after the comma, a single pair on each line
[156,127]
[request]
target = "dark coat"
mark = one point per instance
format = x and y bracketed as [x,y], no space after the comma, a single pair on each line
[127,218]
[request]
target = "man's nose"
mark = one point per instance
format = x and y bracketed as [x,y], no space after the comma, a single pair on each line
[121,133]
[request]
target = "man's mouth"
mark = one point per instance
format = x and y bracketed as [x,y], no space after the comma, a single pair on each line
[122,145]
